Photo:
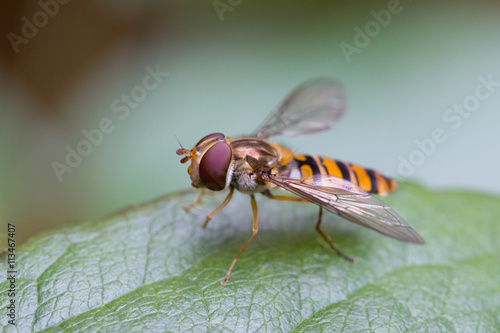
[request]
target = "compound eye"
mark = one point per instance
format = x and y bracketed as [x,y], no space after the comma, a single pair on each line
[211,136]
[214,166]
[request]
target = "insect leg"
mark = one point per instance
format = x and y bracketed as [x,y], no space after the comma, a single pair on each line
[268,194]
[218,209]
[328,240]
[254,232]
[197,202]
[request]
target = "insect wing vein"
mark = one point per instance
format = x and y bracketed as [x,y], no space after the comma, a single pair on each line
[352,204]
[312,107]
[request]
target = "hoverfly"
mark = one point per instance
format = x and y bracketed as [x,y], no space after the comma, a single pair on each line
[252,164]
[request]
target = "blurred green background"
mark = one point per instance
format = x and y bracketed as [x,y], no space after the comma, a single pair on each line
[227,71]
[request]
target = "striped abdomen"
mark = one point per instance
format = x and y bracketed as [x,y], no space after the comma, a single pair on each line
[368,179]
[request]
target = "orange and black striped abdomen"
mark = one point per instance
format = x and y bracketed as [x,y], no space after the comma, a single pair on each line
[368,179]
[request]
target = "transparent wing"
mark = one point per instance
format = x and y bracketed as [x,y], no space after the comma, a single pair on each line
[352,203]
[314,106]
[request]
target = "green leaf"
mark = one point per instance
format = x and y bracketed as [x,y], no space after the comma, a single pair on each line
[152,268]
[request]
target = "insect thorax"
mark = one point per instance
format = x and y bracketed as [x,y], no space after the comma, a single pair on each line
[250,155]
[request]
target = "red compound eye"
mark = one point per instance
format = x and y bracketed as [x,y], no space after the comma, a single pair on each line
[214,166]
[210,136]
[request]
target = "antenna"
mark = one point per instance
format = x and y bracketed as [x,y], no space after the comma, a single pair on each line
[175,136]
[182,151]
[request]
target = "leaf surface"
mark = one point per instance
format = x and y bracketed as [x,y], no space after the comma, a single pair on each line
[152,268]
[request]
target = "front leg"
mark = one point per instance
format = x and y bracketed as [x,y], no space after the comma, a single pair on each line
[218,209]
[255,229]
[196,203]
